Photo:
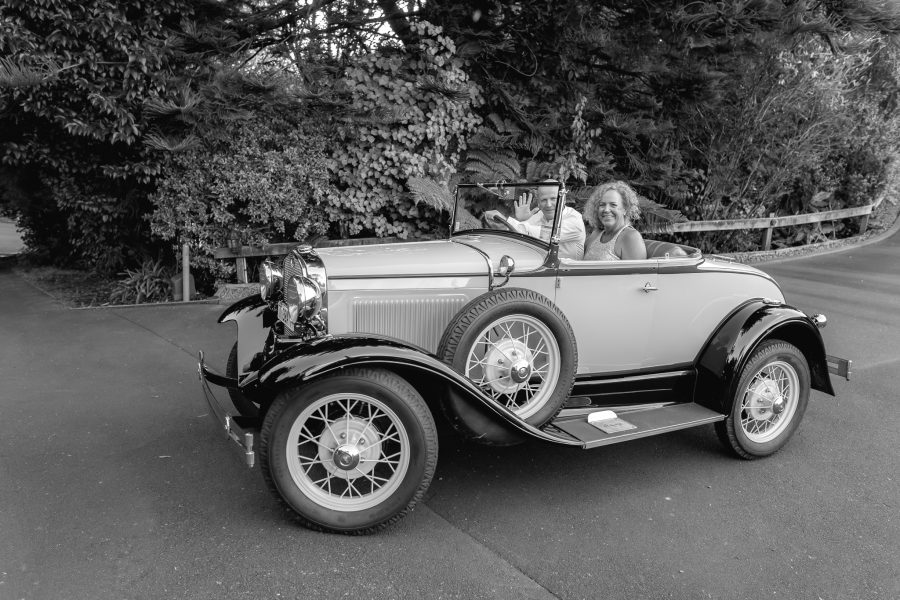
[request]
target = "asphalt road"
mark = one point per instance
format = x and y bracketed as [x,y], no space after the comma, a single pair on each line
[114,484]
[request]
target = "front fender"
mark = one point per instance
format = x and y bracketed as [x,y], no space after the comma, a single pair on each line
[306,361]
[726,353]
[254,318]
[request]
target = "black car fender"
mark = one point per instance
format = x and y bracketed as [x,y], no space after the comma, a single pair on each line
[301,363]
[728,349]
[254,318]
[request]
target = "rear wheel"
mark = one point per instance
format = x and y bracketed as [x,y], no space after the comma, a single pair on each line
[350,453]
[769,403]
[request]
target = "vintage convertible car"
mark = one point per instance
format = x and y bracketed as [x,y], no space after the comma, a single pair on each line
[348,354]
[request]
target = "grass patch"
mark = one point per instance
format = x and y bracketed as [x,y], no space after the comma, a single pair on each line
[73,288]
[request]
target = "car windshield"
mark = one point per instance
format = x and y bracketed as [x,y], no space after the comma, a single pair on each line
[492,206]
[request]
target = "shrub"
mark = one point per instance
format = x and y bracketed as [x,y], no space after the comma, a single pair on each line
[263,177]
[151,282]
[419,104]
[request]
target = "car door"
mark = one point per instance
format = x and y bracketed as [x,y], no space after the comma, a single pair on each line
[610,305]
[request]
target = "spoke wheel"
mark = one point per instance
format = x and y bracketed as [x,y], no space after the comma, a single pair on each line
[519,349]
[351,452]
[516,360]
[770,399]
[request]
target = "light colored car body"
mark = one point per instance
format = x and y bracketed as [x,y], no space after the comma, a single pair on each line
[395,290]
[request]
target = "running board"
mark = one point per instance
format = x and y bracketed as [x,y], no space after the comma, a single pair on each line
[654,421]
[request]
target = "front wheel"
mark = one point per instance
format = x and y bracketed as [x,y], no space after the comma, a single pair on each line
[769,402]
[351,452]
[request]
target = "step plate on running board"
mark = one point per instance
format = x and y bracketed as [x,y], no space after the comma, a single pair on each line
[646,423]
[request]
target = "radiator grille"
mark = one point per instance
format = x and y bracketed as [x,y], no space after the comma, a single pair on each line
[293,267]
[420,321]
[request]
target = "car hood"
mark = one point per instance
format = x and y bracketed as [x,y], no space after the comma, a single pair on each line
[440,257]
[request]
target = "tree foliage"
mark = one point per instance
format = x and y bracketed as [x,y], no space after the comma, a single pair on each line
[263,178]
[364,112]
[412,114]
[72,82]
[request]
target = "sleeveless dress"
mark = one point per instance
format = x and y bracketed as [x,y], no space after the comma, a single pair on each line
[603,250]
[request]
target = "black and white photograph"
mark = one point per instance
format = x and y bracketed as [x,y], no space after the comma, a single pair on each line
[463,299]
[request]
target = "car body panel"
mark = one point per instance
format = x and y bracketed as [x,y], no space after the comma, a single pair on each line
[692,302]
[609,311]
[410,300]
[455,257]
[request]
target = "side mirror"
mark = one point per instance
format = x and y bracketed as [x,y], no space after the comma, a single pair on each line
[507,266]
[505,269]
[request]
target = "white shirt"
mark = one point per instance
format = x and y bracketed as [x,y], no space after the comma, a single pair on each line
[571,231]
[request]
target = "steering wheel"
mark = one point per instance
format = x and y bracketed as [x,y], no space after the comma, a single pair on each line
[499,221]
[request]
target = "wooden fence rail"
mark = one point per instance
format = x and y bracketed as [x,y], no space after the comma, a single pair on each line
[769,223]
[240,255]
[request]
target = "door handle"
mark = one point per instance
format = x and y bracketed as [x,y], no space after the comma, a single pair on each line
[649,288]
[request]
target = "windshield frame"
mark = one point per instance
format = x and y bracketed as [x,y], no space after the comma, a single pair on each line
[509,191]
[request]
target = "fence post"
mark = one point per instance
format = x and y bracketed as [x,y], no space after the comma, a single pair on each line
[241,264]
[864,223]
[185,274]
[767,236]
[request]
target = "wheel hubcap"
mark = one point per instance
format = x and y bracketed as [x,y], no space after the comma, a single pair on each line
[346,457]
[352,446]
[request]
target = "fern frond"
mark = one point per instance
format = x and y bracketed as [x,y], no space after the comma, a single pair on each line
[431,193]
[15,75]
[453,93]
[158,107]
[494,165]
[657,216]
[170,144]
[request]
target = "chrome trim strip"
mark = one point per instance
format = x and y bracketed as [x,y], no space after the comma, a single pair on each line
[487,260]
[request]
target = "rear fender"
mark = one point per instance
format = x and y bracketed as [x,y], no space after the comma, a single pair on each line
[304,362]
[254,319]
[730,347]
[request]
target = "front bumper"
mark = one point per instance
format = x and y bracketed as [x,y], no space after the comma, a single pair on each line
[225,420]
[839,366]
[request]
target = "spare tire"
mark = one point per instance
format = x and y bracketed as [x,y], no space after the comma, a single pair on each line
[519,348]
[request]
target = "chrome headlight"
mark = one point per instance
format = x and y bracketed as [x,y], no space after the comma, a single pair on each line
[270,278]
[303,298]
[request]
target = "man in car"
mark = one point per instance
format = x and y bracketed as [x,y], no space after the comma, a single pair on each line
[538,222]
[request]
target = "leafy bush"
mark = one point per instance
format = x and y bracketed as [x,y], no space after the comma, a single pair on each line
[263,177]
[151,282]
[419,105]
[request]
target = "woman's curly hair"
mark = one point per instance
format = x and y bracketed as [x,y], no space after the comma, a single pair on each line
[629,199]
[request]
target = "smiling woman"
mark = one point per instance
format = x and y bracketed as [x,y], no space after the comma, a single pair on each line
[610,209]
